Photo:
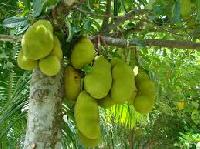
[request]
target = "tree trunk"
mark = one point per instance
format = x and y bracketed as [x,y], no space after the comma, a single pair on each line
[44,115]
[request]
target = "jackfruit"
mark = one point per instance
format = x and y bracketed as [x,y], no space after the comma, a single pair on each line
[146,93]
[134,91]
[98,82]
[37,42]
[146,88]
[72,83]
[83,53]
[123,85]
[50,65]
[25,63]
[114,61]
[87,116]
[143,104]
[46,23]
[57,51]
[106,102]
[132,98]
[88,142]
[142,76]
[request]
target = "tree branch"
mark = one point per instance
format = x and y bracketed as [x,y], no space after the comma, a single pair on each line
[150,42]
[122,19]
[126,43]
[106,18]
[9,38]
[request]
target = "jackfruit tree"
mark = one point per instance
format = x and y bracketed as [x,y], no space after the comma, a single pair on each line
[99,74]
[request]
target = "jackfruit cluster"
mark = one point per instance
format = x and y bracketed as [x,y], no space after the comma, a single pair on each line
[145,97]
[40,48]
[107,83]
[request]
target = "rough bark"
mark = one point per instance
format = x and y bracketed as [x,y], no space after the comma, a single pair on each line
[44,114]
[179,44]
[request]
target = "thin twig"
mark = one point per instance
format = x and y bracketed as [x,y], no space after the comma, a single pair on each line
[106,18]
[126,43]
[122,19]
[10,38]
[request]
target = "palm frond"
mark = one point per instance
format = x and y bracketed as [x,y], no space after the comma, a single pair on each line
[14,93]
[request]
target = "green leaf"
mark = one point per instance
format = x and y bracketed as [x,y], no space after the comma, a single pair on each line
[37,7]
[14,22]
[27,3]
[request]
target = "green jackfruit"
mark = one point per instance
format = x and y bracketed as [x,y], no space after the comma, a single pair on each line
[50,65]
[83,53]
[146,88]
[98,82]
[72,83]
[114,61]
[143,104]
[25,63]
[87,116]
[145,98]
[88,142]
[46,23]
[134,91]
[37,42]
[141,76]
[106,102]
[57,51]
[123,82]
[133,95]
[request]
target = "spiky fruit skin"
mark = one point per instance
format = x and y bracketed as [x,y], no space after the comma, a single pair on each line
[57,50]
[98,82]
[133,95]
[146,88]
[87,116]
[141,76]
[106,102]
[72,83]
[50,65]
[122,86]
[88,142]
[25,63]
[82,53]
[37,42]
[145,98]
[46,23]
[114,61]
[143,104]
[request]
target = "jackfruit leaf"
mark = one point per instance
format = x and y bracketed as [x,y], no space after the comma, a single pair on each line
[14,22]
[37,7]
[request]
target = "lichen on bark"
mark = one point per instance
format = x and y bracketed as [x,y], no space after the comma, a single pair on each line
[44,114]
